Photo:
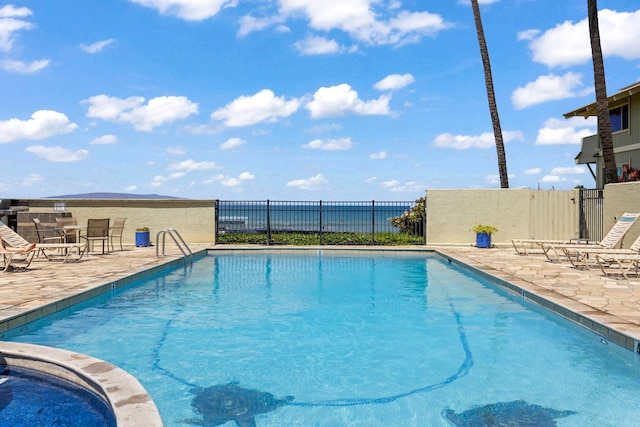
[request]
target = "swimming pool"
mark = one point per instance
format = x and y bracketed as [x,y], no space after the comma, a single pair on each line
[372,340]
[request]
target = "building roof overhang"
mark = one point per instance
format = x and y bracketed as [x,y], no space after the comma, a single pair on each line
[614,101]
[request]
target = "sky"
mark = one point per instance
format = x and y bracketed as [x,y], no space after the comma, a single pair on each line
[298,99]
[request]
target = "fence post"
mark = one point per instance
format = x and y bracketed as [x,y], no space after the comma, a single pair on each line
[268,223]
[321,236]
[373,222]
[216,217]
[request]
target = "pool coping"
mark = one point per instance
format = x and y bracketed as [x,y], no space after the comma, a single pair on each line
[121,391]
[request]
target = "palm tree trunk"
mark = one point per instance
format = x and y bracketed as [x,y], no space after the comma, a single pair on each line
[493,108]
[602,106]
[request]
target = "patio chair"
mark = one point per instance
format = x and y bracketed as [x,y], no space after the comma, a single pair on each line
[617,231]
[68,235]
[619,264]
[97,229]
[116,231]
[556,252]
[47,235]
[584,255]
[69,251]
[25,255]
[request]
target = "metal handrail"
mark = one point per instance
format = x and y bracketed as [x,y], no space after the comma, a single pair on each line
[182,245]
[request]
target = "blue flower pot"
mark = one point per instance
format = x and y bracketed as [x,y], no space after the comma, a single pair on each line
[483,240]
[143,238]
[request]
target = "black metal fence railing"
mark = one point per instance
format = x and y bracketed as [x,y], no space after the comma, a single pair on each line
[591,214]
[319,222]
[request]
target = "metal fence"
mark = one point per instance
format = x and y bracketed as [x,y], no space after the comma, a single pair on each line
[591,214]
[316,222]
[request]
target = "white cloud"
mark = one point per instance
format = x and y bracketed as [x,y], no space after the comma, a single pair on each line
[31,179]
[103,140]
[178,151]
[342,99]
[249,110]
[131,188]
[361,21]
[532,171]
[552,178]
[43,124]
[330,144]
[158,111]
[572,170]
[371,180]
[19,67]
[485,140]
[317,46]
[158,180]
[313,183]
[407,186]
[571,131]
[394,82]
[549,88]
[232,143]
[230,182]
[245,176]
[568,43]
[10,24]
[191,165]
[190,10]
[249,24]
[378,156]
[57,154]
[96,47]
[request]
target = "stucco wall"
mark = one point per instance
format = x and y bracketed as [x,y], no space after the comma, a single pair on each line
[618,199]
[193,219]
[517,213]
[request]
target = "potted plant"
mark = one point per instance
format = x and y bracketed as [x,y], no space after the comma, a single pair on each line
[143,237]
[483,235]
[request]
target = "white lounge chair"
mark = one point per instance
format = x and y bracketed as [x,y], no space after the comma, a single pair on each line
[25,254]
[619,264]
[68,251]
[523,246]
[556,252]
[584,255]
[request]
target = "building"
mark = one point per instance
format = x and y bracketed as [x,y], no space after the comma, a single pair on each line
[624,110]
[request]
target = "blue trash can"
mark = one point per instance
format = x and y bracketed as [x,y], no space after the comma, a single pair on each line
[483,240]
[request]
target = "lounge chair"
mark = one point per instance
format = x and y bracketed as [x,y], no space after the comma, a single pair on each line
[622,264]
[522,246]
[584,255]
[68,251]
[556,252]
[25,253]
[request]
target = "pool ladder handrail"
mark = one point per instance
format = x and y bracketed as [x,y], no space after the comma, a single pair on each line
[177,239]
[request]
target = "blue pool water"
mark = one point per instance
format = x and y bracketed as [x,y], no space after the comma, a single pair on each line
[369,340]
[30,398]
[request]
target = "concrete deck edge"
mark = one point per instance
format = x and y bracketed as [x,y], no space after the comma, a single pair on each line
[129,401]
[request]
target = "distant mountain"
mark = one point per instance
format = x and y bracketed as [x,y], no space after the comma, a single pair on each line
[113,196]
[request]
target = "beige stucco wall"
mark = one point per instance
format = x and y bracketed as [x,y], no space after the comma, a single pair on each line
[517,213]
[618,199]
[193,219]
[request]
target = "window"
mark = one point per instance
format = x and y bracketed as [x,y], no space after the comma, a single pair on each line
[619,118]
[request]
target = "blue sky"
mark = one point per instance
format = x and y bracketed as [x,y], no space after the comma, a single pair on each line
[297,99]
